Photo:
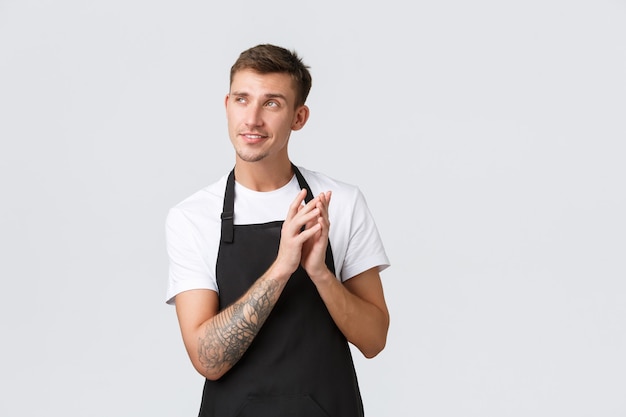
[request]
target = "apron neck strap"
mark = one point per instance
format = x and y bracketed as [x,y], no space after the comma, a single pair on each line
[303,184]
[228,211]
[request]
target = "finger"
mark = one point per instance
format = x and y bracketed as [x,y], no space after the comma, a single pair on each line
[295,206]
[302,220]
[324,225]
[324,218]
[309,218]
[312,222]
[324,198]
[309,232]
[324,201]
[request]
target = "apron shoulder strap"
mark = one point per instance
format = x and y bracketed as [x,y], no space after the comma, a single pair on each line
[303,184]
[228,210]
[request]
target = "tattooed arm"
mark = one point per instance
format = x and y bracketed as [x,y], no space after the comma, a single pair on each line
[216,341]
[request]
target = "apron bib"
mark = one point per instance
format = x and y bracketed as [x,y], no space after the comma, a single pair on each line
[300,363]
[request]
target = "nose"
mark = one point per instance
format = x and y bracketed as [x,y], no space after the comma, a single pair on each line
[253,115]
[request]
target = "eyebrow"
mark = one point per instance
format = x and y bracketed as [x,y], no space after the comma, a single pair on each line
[268,95]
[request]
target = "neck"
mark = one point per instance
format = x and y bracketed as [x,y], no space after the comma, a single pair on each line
[258,176]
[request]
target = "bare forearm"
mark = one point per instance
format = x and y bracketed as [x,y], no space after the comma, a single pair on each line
[362,322]
[227,336]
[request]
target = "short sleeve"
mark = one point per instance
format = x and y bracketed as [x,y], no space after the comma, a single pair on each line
[188,268]
[365,247]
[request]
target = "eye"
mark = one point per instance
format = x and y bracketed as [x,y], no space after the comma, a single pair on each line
[240,99]
[272,103]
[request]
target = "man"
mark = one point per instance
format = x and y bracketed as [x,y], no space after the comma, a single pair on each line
[267,292]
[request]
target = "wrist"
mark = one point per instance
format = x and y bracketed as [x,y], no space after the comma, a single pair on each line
[321,277]
[279,272]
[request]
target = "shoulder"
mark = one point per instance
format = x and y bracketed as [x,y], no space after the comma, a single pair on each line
[320,182]
[347,204]
[347,199]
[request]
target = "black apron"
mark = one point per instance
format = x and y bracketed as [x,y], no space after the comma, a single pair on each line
[299,364]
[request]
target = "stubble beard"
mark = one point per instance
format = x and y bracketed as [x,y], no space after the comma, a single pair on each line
[251,156]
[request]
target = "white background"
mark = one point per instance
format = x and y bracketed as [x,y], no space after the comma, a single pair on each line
[488,137]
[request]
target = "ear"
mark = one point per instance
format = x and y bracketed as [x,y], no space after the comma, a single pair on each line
[300,118]
[226,101]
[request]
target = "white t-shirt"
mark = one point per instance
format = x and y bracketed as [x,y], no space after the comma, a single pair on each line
[193,229]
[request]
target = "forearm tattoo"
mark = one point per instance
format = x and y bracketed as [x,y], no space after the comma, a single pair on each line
[230,334]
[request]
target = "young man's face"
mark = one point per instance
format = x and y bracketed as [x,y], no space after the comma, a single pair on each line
[261,115]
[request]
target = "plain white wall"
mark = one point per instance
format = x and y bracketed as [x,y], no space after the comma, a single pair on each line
[488,137]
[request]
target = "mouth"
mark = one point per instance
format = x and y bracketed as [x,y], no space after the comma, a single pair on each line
[253,137]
